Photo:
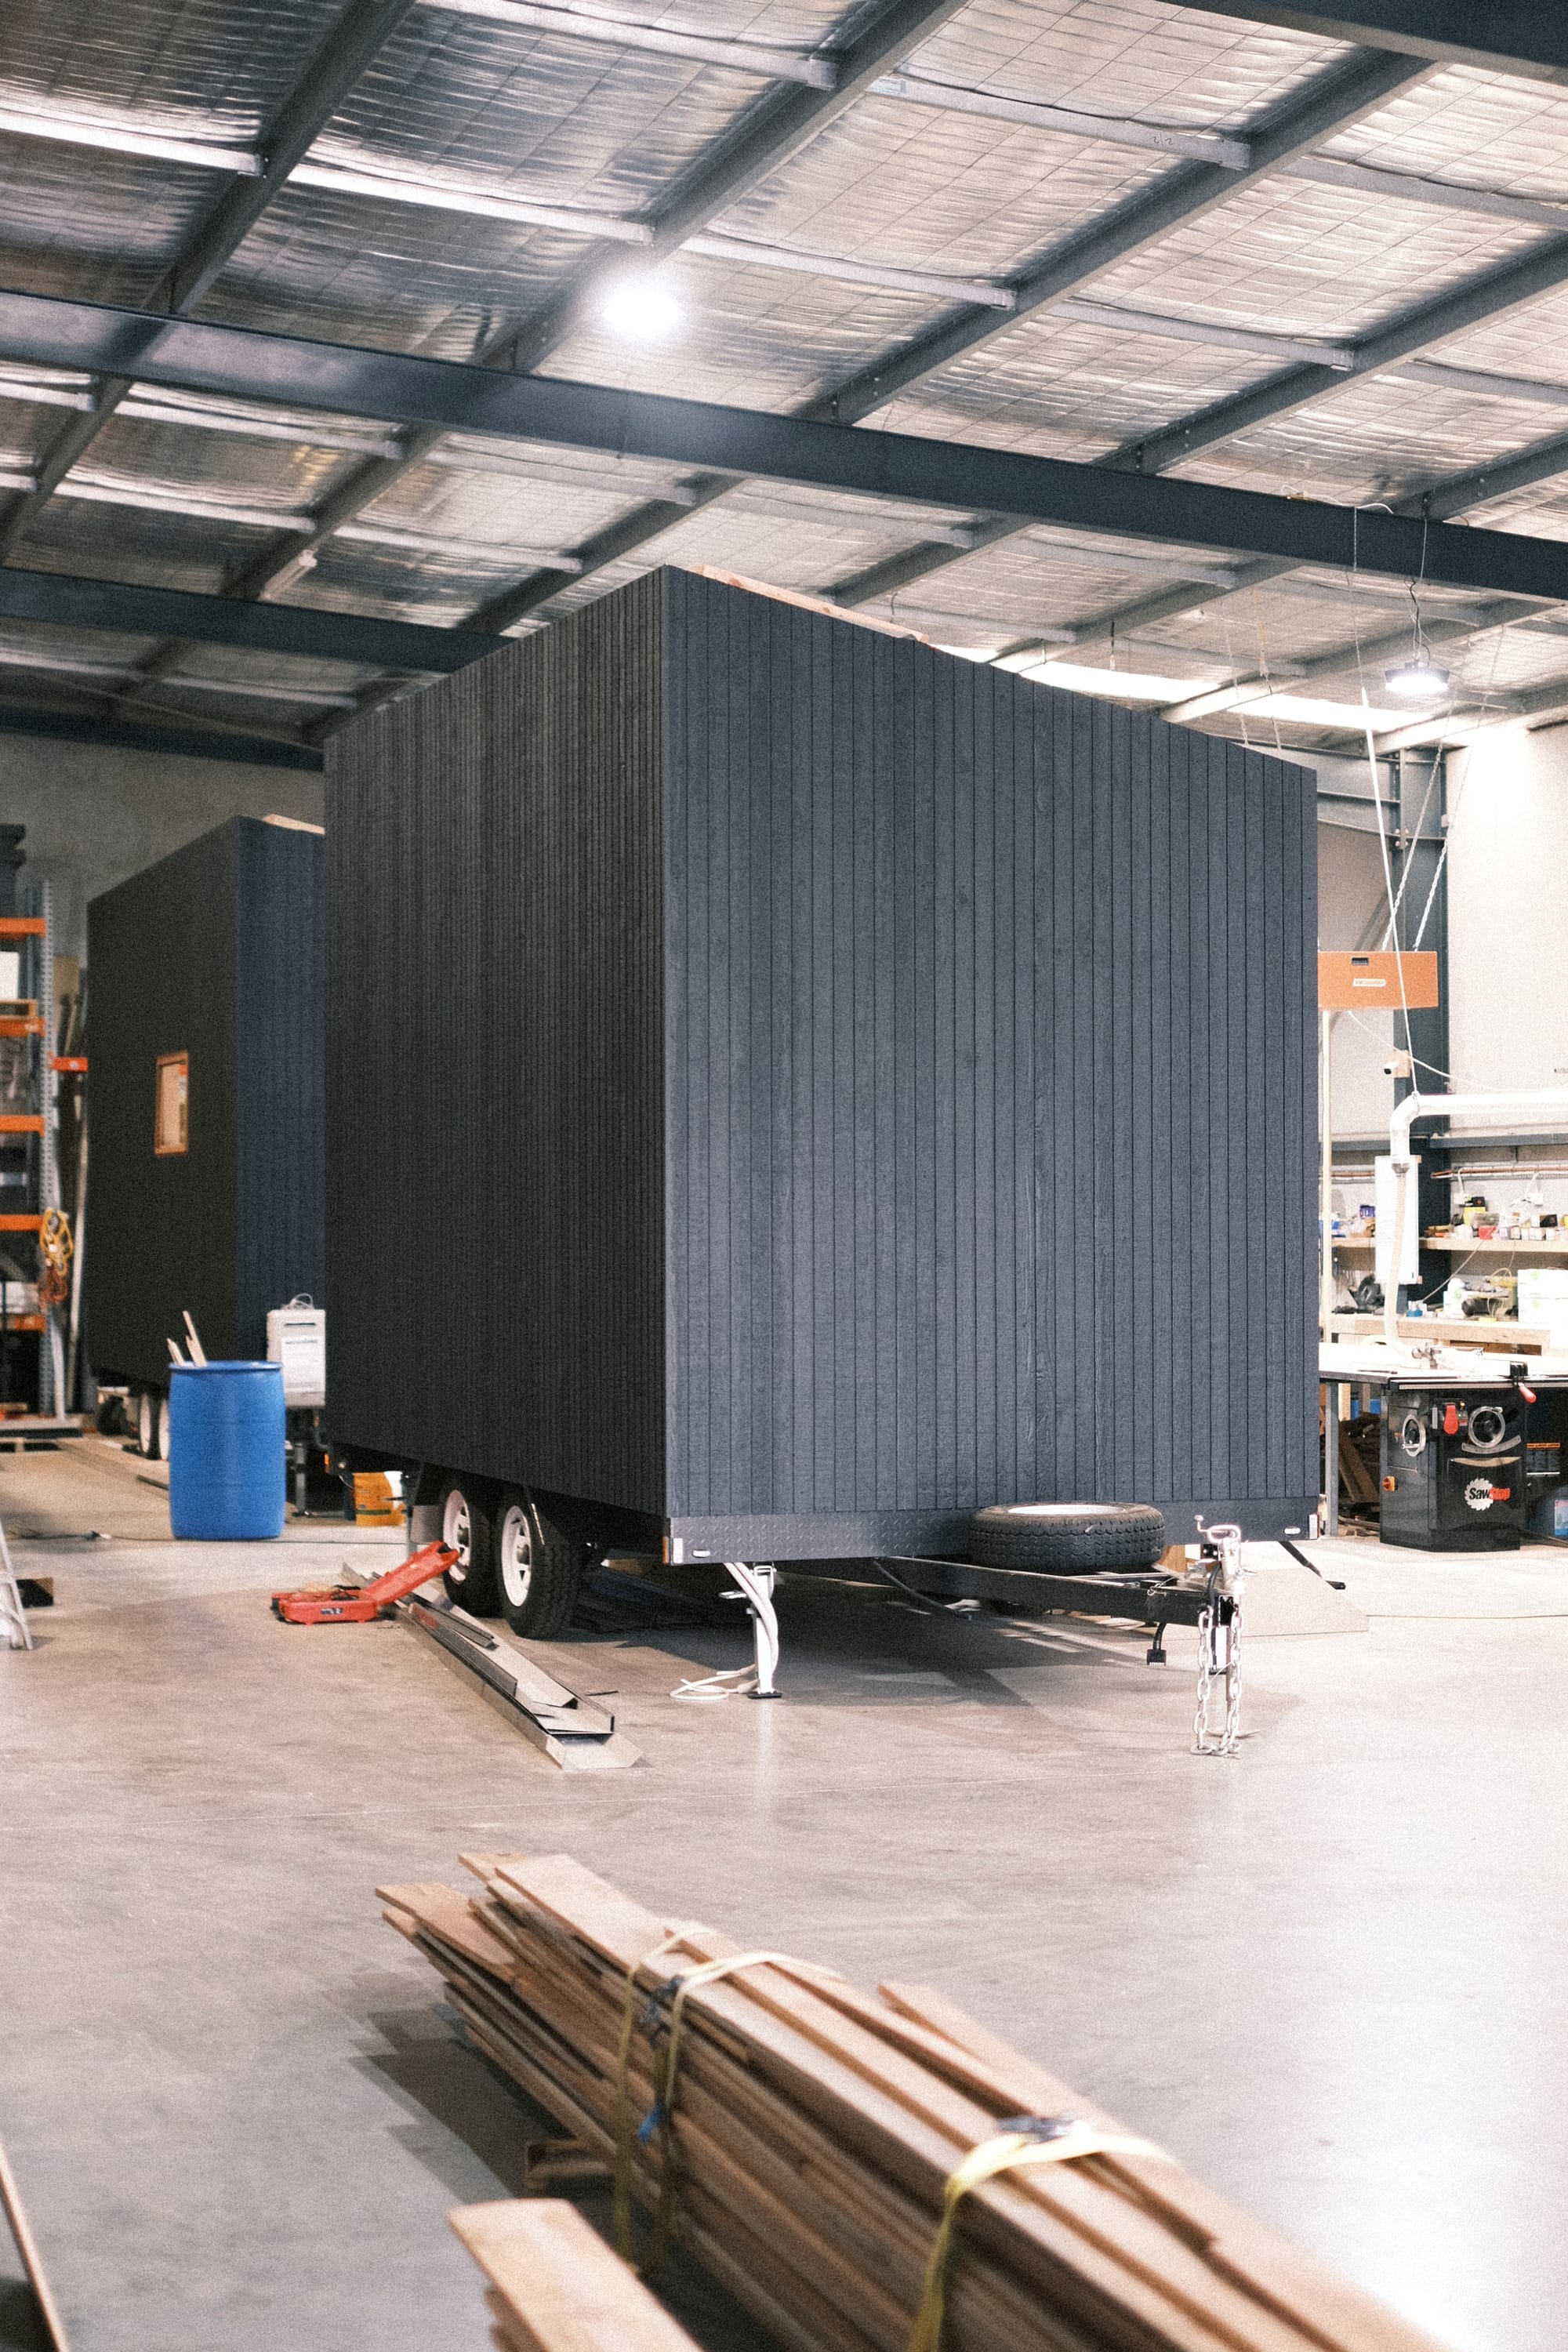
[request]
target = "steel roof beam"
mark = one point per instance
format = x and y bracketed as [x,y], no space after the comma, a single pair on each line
[1544,461]
[1484,297]
[1518,37]
[195,356]
[1373,652]
[819,69]
[763,142]
[1489,297]
[363,29]
[309,108]
[1331,103]
[1524,703]
[191,743]
[59,600]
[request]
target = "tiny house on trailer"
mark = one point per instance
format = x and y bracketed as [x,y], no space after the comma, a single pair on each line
[207,1040]
[790,1087]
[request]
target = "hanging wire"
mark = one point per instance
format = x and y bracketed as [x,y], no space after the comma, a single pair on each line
[1389,892]
[1230,665]
[1263,665]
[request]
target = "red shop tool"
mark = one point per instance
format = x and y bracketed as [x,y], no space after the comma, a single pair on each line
[359,1604]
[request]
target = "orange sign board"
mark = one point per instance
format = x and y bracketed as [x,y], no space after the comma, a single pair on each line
[1349,981]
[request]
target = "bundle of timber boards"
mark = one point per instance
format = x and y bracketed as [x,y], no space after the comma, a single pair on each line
[812,2129]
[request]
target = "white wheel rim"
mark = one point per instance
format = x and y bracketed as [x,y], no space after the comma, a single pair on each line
[457,1533]
[144,1422]
[164,1427]
[516,1555]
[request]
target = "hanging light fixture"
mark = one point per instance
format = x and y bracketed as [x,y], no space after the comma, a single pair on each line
[1418,679]
[641,310]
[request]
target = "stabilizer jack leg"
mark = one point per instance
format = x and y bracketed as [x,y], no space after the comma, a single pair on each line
[756,1579]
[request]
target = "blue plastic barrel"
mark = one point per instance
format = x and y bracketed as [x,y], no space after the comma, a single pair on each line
[228,1471]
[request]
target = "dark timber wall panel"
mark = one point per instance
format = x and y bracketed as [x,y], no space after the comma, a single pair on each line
[217,952]
[280,1042]
[495,1195]
[990,1108]
[160,1232]
[803,1085]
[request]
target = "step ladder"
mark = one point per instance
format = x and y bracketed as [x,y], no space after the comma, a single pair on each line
[13,1626]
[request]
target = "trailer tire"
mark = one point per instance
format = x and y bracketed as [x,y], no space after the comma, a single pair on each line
[162,1429]
[469,1529]
[147,1424]
[1067,1538]
[538,1568]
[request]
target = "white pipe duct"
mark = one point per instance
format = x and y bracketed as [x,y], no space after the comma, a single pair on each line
[1539,1101]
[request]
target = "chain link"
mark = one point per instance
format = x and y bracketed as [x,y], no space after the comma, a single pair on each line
[1213,1630]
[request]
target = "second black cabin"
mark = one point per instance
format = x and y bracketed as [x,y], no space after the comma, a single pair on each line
[206,1044]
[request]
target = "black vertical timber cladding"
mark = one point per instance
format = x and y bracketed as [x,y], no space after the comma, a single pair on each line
[803,1085]
[989,1109]
[280,1045]
[494,1111]
[217,952]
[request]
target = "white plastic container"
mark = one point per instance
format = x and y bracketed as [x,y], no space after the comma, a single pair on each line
[297,1339]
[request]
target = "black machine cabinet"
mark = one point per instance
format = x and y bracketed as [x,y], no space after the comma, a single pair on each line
[1454,1469]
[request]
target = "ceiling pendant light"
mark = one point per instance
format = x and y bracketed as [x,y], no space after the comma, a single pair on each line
[1418,679]
[643,312]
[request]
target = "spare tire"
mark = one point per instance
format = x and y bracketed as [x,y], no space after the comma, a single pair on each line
[1067,1538]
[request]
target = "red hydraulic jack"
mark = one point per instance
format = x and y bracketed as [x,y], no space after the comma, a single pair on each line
[359,1604]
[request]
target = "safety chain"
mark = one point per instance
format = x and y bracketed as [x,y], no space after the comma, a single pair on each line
[1219,1643]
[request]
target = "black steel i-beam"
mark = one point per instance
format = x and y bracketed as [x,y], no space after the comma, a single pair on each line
[61,600]
[696,435]
[1519,37]
[193,742]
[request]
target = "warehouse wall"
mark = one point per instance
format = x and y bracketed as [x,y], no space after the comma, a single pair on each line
[1507,910]
[96,814]
[1352,912]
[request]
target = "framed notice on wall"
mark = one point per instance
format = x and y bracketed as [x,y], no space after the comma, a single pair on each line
[170,1107]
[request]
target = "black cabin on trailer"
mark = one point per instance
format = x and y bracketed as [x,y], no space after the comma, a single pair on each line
[207,1045]
[789,1087]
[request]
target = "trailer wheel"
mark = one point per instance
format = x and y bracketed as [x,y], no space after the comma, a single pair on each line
[147,1424]
[468,1528]
[1068,1539]
[539,1571]
[162,1429]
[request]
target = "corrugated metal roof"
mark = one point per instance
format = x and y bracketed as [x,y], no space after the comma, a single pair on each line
[472,110]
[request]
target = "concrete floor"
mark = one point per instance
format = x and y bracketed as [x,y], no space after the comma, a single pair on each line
[1325,1974]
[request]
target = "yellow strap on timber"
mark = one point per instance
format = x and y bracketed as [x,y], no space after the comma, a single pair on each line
[658,2118]
[624,2131]
[1054,2139]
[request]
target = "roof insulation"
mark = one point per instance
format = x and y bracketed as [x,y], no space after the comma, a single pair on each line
[487,174]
